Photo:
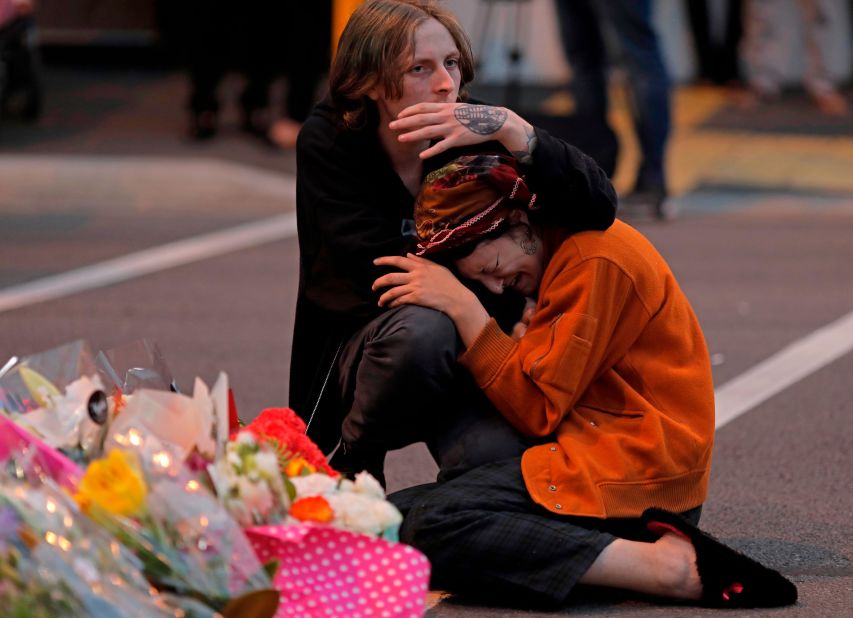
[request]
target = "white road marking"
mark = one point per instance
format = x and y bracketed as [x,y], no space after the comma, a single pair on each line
[786,367]
[149,261]
[736,397]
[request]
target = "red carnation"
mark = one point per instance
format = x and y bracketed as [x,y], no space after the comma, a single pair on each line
[286,432]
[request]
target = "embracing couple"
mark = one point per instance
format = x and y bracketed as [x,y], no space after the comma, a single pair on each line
[464,282]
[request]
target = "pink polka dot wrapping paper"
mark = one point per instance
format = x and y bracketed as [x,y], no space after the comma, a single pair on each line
[325,571]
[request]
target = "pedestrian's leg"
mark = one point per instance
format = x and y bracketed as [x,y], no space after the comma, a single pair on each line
[817,20]
[763,48]
[583,44]
[206,42]
[649,85]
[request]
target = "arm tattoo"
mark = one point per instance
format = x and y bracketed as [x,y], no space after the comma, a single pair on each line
[480,119]
[526,155]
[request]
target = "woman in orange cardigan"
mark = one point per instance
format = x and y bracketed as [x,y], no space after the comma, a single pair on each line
[609,372]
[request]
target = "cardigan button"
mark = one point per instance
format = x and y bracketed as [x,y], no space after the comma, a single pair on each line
[552,488]
[553,448]
[558,506]
[593,423]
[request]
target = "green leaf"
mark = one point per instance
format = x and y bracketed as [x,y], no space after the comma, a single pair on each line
[271,568]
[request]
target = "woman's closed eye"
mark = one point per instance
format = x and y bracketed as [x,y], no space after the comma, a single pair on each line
[493,268]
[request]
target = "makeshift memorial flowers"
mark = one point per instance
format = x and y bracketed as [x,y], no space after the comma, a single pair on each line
[249,482]
[186,541]
[59,396]
[285,431]
[171,506]
[56,562]
[358,506]
[23,591]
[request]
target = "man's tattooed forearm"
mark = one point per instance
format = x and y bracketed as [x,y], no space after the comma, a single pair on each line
[480,119]
[526,155]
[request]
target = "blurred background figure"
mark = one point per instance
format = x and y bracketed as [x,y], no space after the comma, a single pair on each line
[587,30]
[717,27]
[20,79]
[766,43]
[261,41]
[302,32]
[219,36]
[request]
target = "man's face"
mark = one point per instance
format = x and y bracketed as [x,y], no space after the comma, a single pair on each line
[502,263]
[432,74]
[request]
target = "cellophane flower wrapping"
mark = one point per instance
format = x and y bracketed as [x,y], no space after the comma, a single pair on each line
[55,395]
[54,561]
[186,540]
[249,482]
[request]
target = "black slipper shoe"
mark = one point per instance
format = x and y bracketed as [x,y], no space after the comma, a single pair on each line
[729,579]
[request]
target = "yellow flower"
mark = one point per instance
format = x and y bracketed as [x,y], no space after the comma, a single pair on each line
[298,466]
[114,484]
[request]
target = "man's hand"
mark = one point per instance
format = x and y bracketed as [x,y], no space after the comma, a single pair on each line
[463,124]
[520,328]
[428,284]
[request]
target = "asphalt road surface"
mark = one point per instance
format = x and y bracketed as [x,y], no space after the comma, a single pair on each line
[113,227]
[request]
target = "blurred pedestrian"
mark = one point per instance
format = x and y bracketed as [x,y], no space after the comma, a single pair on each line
[766,50]
[20,78]
[585,26]
[717,29]
[219,36]
[305,30]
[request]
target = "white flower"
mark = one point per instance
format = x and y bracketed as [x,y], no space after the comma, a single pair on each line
[362,513]
[256,497]
[366,484]
[314,485]
[234,459]
[267,464]
[245,438]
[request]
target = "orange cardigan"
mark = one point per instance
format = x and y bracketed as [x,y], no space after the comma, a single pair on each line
[614,371]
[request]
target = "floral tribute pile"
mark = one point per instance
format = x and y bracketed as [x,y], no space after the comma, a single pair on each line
[120,496]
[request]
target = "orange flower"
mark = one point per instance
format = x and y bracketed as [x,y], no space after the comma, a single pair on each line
[312,508]
[298,466]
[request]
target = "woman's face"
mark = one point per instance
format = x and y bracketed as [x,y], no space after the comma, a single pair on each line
[514,260]
[432,75]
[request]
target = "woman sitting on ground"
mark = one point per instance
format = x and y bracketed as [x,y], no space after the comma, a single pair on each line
[610,373]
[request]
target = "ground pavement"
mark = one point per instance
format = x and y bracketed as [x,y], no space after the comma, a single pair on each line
[114,227]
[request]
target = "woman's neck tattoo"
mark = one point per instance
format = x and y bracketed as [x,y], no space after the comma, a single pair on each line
[528,245]
[480,119]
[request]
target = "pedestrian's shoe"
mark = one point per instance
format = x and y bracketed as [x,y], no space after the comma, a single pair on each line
[256,124]
[203,125]
[641,203]
[729,579]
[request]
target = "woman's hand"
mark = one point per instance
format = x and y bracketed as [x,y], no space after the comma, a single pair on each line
[425,283]
[463,124]
[520,328]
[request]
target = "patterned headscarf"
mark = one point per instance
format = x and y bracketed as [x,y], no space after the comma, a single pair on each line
[466,199]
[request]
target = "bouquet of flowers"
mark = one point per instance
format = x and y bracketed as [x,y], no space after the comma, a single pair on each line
[315,492]
[187,543]
[54,561]
[249,482]
[59,396]
[186,500]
